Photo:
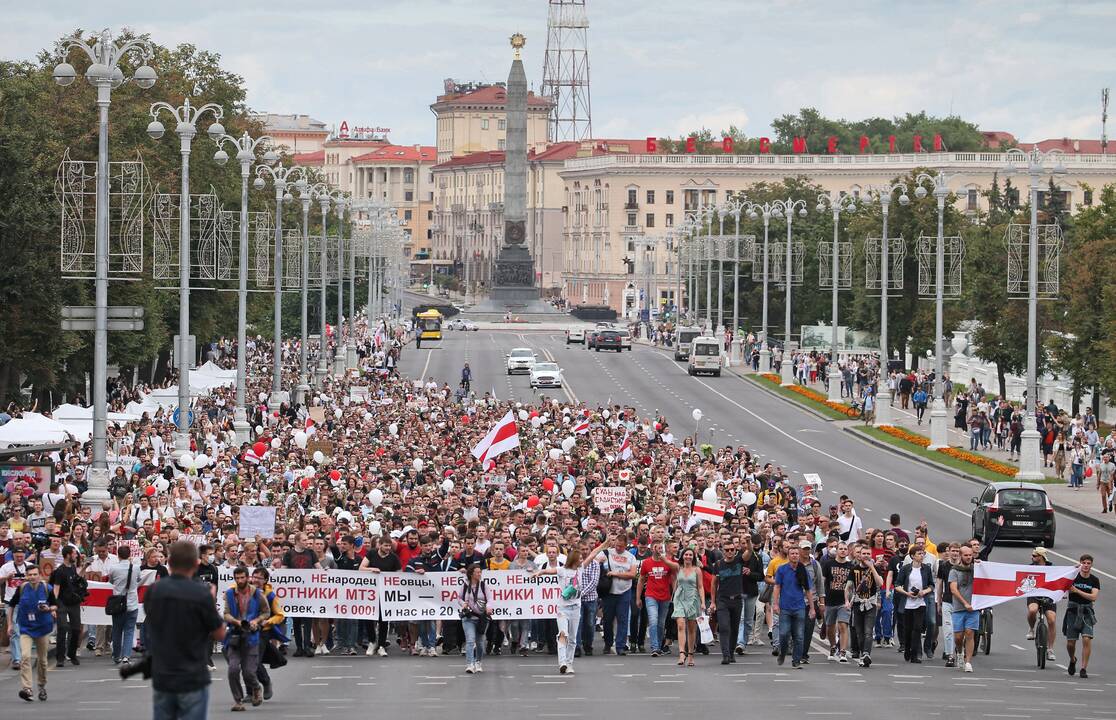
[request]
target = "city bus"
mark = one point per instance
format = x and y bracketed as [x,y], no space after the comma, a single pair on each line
[428,325]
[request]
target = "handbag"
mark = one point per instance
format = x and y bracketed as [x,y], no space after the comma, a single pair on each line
[705,630]
[766,593]
[604,583]
[118,604]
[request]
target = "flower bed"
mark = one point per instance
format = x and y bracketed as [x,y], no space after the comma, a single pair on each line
[814,395]
[978,460]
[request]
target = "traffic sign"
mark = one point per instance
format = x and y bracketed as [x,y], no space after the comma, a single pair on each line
[189,418]
[116,312]
[113,325]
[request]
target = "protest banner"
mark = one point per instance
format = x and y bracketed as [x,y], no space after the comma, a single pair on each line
[325,446]
[358,393]
[608,499]
[257,520]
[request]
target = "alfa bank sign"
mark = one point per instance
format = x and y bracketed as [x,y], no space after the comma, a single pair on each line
[798,145]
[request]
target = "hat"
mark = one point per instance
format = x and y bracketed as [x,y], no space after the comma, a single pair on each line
[395,534]
[1039,551]
[407,529]
[805,544]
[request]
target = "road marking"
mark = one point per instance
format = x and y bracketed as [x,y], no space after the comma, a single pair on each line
[312,684]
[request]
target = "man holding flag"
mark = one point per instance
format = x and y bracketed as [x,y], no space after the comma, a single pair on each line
[502,437]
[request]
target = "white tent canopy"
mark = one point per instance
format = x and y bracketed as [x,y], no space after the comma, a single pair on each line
[78,420]
[33,429]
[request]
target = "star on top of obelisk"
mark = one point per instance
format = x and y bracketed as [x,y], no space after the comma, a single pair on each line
[517,42]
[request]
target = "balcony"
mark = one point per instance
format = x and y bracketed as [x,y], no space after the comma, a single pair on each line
[631,206]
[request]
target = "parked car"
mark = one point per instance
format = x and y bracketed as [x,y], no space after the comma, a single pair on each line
[520,360]
[625,340]
[546,374]
[608,340]
[575,335]
[1027,513]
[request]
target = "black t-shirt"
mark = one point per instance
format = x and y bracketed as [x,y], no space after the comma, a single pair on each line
[304,559]
[64,579]
[388,563]
[344,563]
[207,573]
[730,577]
[835,574]
[943,575]
[1084,584]
[180,616]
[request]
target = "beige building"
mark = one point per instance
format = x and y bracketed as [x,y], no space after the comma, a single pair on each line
[294,133]
[472,118]
[616,205]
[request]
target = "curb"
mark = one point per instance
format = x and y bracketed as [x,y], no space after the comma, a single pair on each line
[759,385]
[1072,512]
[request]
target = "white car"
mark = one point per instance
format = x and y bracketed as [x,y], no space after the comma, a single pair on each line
[546,374]
[454,324]
[575,335]
[520,360]
[468,325]
[625,340]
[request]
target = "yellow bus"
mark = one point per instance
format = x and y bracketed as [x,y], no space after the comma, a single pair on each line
[428,325]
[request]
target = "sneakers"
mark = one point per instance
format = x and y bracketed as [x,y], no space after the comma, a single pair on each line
[371,651]
[257,696]
[268,692]
[381,651]
[950,661]
[562,669]
[968,667]
[1084,675]
[782,658]
[1072,669]
[26,695]
[1030,634]
[321,650]
[74,660]
[237,707]
[468,669]
[865,661]
[842,657]
[739,649]
[1050,655]
[832,656]
[478,667]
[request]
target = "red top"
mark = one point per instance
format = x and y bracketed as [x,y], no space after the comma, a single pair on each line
[656,578]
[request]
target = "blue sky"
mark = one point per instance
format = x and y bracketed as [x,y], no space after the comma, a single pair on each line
[1035,69]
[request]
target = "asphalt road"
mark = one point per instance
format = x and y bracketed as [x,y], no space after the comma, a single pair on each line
[1006,683]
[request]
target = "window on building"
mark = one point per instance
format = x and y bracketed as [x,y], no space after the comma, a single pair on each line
[631,219]
[407,215]
[1088,200]
[631,246]
[429,234]
[690,199]
[409,195]
[501,124]
[484,124]
[650,220]
[408,175]
[971,203]
[429,214]
[650,197]
[669,197]
[669,222]
[632,197]
[383,176]
[500,144]
[1013,196]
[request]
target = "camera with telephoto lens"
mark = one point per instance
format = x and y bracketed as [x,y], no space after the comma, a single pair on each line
[143,666]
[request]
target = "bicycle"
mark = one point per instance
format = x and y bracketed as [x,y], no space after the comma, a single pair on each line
[1041,640]
[984,632]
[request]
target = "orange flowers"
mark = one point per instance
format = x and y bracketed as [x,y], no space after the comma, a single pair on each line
[813,395]
[978,460]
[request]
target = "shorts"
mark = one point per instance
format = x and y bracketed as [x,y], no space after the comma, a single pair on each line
[966,620]
[1078,624]
[836,614]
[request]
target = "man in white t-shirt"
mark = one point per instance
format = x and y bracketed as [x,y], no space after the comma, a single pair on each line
[849,522]
[620,565]
[12,574]
[97,569]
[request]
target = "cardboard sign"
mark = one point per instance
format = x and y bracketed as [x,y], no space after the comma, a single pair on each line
[325,446]
[257,520]
[358,393]
[608,499]
[317,414]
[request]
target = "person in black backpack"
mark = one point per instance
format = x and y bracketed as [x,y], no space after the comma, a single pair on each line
[71,589]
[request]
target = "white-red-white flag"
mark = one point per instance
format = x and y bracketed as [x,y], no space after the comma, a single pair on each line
[581,427]
[253,458]
[995,583]
[711,511]
[626,447]
[311,428]
[503,436]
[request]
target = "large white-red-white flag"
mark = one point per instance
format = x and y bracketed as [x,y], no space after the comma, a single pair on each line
[581,427]
[995,583]
[710,511]
[626,447]
[502,437]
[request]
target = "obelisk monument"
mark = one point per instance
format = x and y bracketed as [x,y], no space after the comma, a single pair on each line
[514,284]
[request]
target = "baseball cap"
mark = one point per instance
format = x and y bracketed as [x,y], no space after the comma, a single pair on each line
[1039,551]
[805,544]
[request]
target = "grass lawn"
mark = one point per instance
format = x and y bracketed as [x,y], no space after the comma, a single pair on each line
[941,458]
[825,410]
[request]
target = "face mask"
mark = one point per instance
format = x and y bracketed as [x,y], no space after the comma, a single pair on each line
[211,558]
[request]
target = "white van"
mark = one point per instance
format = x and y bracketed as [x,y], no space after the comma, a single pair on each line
[683,338]
[705,356]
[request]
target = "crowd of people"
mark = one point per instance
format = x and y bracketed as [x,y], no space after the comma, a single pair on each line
[396,490]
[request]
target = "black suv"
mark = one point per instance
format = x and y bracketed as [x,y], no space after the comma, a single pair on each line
[608,340]
[1026,509]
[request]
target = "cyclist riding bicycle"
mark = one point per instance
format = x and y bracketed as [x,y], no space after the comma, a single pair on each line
[466,377]
[1046,606]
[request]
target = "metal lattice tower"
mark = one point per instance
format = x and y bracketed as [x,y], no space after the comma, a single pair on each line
[566,71]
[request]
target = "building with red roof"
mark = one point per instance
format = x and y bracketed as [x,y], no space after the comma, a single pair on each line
[471,118]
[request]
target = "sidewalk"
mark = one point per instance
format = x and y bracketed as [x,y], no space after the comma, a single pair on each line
[1083,504]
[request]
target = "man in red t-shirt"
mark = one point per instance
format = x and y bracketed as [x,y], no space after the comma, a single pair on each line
[656,575]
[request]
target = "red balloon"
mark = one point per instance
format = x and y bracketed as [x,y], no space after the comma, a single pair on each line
[464,419]
[380,452]
[533,501]
[448,473]
[334,474]
[658,427]
[304,483]
[259,448]
[548,484]
[586,412]
[1088,472]
[149,490]
[533,414]
[275,414]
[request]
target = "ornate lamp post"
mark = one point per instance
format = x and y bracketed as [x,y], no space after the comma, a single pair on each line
[768,210]
[186,118]
[282,177]
[105,74]
[322,195]
[245,155]
[1036,163]
[837,204]
[341,202]
[883,197]
[789,205]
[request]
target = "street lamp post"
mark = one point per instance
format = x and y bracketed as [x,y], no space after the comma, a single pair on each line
[939,432]
[1036,166]
[734,207]
[105,74]
[789,206]
[883,393]
[837,203]
[186,117]
[246,155]
[768,210]
[340,203]
[282,177]
[323,197]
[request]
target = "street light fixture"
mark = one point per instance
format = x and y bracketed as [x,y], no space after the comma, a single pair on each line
[282,177]
[245,155]
[341,202]
[837,203]
[768,210]
[882,195]
[104,57]
[186,118]
[939,433]
[1036,162]
[322,194]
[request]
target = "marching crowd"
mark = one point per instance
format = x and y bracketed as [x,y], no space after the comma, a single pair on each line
[396,490]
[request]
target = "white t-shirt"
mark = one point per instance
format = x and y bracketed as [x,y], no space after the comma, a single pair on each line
[618,561]
[12,576]
[567,576]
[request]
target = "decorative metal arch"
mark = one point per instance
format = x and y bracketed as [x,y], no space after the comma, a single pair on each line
[953,251]
[260,238]
[1050,243]
[844,264]
[897,252]
[204,211]
[777,257]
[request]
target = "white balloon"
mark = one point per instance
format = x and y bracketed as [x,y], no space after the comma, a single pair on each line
[300,439]
[309,471]
[568,444]
[275,443]
[162,484]
[519,404]
[568,488]
[523,415]
[536,422]
[697,414]
[319,457]
[605,414]
[186,461]
[376,496]
[447,486]
[262,397]
[393,429]
[338,413]
[710,495]
[555,454]
[375,528]
[201,461]
[748,498]
[317,399]
[418,464]
[259,429]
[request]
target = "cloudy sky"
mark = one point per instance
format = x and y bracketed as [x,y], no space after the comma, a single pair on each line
[1032,68]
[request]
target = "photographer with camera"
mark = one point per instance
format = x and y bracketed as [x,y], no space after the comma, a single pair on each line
[34,606]
[72,589]
[246,609]
[182,623]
